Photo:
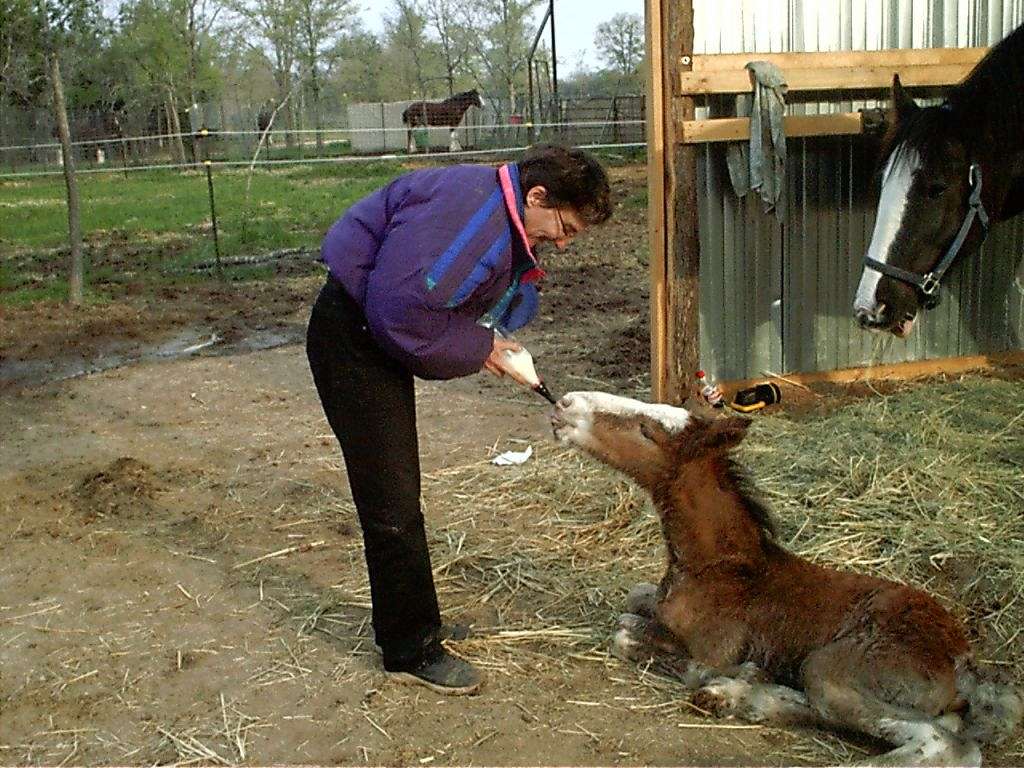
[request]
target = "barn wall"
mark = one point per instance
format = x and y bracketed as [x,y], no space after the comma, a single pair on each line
[777,296]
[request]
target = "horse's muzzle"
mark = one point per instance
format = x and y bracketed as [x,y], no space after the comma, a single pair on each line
[872,320]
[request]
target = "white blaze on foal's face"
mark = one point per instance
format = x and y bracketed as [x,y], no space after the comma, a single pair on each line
[626,434]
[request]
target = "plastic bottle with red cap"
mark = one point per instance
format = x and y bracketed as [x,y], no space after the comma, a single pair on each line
[710,391]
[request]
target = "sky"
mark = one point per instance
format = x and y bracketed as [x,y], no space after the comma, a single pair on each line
[575,22]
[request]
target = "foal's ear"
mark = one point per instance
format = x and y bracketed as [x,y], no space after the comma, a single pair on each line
[901,100]
[721,434]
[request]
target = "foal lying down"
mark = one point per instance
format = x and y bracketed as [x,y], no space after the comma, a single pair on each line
[763,635]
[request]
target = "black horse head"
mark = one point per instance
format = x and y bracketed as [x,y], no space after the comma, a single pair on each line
[946,170]
[472,98]
[929,210]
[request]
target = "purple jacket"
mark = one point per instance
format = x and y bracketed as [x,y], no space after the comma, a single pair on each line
[435,260]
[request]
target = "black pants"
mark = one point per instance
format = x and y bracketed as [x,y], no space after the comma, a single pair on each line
[369,400]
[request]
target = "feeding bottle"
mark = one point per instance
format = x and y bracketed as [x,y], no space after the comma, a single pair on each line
[710,391]
[521,362]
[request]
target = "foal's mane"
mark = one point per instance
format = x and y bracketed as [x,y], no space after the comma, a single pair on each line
[749,497]
[987,105]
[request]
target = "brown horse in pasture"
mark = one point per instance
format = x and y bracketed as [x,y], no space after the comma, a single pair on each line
[761,634]
[448,112]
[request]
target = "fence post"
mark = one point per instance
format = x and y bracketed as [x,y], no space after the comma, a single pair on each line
[615,119]
[203,133]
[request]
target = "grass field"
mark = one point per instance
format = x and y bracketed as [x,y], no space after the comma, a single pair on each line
[149,227]
[162,219]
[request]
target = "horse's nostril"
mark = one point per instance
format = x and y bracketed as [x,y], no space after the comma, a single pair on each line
[871,318]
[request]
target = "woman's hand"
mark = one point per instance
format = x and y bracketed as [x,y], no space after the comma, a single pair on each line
[495,362]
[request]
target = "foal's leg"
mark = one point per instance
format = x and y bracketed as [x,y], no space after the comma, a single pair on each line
[640,639]
[843,687]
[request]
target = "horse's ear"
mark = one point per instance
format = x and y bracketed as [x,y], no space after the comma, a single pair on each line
[720,434]
[901,100]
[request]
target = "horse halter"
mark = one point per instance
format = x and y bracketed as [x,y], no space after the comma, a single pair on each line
[927,285]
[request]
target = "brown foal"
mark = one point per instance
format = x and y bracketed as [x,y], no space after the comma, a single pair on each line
[761,634]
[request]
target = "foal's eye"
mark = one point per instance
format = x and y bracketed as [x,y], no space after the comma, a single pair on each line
[936,189]
[646,431]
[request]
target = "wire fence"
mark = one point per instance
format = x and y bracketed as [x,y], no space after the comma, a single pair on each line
[369,130]
[270,162]
[186,166]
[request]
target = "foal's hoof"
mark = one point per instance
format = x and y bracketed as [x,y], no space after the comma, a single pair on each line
[633,622]
[623,646]
[627,642]
[642,599]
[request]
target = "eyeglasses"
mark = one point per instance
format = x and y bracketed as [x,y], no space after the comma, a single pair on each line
[567,234]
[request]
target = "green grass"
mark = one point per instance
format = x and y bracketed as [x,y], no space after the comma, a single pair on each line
[163,218]
[236,151]
[55,290]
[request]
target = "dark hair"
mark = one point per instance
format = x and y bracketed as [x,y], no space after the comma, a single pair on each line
[571,176]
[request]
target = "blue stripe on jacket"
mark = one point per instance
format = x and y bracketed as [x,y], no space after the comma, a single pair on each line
[488,264]
[473,226]
[513,175]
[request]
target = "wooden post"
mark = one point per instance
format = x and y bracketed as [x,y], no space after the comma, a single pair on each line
[655,128]
[672,201]
[76,267]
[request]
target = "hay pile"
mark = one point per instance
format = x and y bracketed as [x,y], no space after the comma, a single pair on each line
[925,485]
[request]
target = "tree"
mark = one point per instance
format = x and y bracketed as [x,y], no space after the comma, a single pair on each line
[155,61]
[620,42]
[359,62]
[452,36]
[274,28]
[195,20]
[54,20]
[321,23]
[500,36]
[412,55]
[22,75]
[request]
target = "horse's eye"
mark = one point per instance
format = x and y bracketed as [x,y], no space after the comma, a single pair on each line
[936,189]
[646,431]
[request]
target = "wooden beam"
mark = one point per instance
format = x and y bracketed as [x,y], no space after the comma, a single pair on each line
[738,128]
[827,79]
[898,57]
[682,219]
[658,128]
[910,370]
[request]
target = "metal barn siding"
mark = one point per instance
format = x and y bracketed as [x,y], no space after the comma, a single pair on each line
[777,296]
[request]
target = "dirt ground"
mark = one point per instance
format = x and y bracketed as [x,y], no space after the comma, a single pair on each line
[182,578]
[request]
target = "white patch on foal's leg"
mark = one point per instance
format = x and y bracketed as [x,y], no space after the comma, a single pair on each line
[924,742]
[754,702]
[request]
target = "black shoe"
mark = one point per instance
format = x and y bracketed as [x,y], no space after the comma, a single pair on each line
[448,632]
[443,673]
[455,631]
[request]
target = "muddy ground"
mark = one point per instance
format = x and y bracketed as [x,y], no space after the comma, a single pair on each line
[182,579]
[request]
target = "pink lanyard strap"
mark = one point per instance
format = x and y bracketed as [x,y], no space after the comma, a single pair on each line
[512,204]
